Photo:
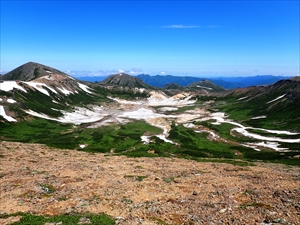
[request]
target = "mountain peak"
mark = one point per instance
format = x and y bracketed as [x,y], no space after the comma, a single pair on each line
[30,71]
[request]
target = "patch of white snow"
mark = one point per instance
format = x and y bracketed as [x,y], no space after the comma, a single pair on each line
[3,113]
[65,91]
[269,144]
[204,87]
[244,132]
[11,101]
[276,99]
[10,85]
[85,87]
[258,117]
[243,98]
[145,139]
[168,109]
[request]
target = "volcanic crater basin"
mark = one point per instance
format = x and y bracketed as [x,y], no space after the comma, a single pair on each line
[41,180]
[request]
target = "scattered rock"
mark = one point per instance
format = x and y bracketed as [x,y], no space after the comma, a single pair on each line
[84,220]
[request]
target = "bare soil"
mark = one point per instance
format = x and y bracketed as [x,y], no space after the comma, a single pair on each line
[41,180]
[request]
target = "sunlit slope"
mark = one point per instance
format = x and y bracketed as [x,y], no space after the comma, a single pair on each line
[275,106]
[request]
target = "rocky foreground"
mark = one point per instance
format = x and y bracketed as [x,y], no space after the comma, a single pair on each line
[46,181]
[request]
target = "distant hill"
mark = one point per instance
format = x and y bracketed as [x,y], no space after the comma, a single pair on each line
[30,71]
[206,85]
[172,86]
[125,80]
[161,81]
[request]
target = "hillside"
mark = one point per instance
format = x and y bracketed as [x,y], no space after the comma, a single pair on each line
[278,102]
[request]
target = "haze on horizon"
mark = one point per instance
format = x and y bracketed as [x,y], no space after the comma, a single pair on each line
[194,38]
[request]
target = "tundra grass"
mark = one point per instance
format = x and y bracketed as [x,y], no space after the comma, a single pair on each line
[94,219]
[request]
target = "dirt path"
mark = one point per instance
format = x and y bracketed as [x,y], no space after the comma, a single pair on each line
[42,180]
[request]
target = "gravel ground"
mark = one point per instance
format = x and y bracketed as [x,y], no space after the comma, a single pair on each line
[47,181]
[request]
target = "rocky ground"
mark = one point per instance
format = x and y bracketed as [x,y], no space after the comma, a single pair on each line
[47,181]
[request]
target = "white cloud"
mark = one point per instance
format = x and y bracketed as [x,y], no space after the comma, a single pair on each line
[163,72]
[133,71]
[180,26]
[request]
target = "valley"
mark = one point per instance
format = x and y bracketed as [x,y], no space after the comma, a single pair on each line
[100,117]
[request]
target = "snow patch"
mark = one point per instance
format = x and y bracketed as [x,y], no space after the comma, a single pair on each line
[276,99]
[65,91]
[243,98]
[158,99]
[3,113]
[145,139]
[204,87]
[141,113]
[84,87]
[11,101]
[268,144]
[10,85]
[243,131]
[80,115]
[258,117]
[126,102]
[189,125]
[168,109]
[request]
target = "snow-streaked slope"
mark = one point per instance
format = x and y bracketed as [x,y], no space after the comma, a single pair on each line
[39,87]
[78,116]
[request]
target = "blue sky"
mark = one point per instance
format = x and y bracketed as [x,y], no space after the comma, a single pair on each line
[190,38]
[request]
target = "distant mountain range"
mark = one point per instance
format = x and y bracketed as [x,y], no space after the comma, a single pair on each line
[225,82]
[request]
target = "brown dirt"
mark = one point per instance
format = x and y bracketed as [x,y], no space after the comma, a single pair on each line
[41,180]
